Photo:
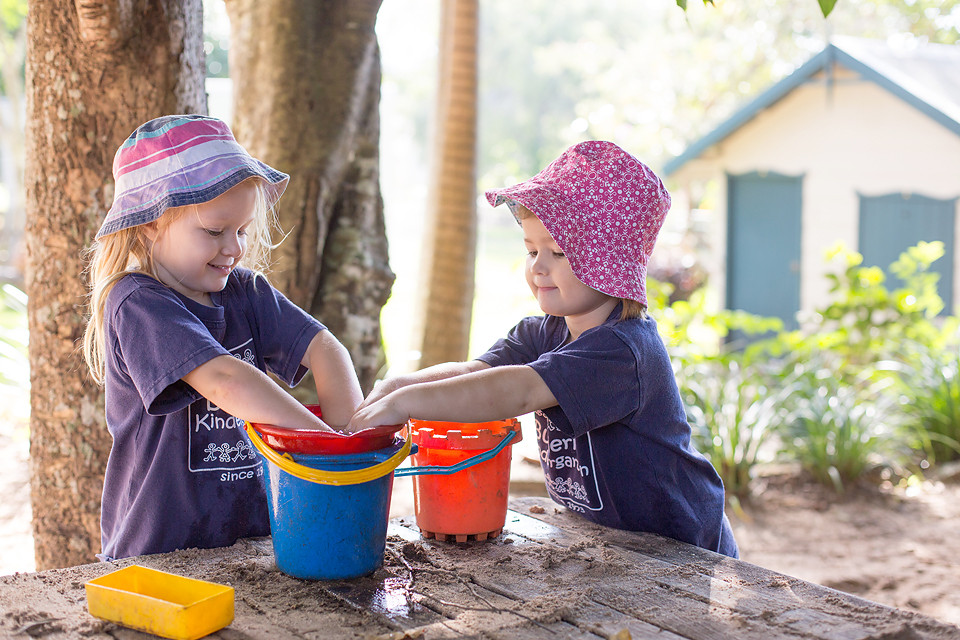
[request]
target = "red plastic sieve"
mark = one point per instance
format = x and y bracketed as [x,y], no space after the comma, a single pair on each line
[317,442]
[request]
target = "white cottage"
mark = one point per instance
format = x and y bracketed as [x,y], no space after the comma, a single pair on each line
[861,144]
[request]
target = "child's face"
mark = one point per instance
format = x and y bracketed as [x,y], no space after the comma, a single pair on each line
[196,252]
[552,282]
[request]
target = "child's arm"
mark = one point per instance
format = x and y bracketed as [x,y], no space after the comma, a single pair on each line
[430,374]
[481,396]
[338,389]
[244,391]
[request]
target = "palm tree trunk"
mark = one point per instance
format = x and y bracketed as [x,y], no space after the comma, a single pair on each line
[451,230]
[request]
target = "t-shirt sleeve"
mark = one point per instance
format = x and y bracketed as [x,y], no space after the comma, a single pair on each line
[519,347]
[285,329]
[159,341]
[594,379]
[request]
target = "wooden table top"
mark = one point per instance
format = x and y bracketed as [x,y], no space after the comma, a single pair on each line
[549,574]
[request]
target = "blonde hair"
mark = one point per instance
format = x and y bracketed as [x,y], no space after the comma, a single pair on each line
[126,251]
[631,308]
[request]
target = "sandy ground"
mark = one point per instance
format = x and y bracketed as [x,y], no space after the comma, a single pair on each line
[900,548]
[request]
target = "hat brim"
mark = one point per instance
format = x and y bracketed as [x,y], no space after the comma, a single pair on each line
[148,202]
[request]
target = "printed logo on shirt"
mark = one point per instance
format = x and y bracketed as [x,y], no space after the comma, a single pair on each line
[568,465]
[217,442]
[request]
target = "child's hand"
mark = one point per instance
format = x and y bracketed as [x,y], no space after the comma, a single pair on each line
[381,389]
[384,412]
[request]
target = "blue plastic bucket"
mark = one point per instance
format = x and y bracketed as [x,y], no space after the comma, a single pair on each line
[330,532]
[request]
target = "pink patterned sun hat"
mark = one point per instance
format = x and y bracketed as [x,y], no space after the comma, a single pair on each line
[603,208]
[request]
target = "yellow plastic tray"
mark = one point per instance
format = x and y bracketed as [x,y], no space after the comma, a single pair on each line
[160,603]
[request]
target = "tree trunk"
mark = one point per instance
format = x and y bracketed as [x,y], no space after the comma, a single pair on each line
[306,98]
[96,69]
[451,229]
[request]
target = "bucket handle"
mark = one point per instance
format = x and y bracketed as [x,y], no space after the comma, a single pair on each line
[431,470]
[319,476]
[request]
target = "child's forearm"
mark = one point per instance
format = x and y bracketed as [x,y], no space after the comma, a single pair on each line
[436,372]
[482,396]
[338,389]
[492,394]
[247,393]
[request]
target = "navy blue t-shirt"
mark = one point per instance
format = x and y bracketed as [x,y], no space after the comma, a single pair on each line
[617,447]
[181,472]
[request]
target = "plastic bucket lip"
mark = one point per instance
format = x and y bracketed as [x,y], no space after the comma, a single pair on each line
[319,442]
[463,436]
[347,461]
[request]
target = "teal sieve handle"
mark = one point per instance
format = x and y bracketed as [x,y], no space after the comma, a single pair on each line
[434,470]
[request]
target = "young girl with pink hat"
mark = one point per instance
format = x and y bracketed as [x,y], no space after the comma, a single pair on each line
[183,328]
[613,436]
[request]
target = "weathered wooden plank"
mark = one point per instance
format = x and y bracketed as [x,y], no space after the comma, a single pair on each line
[551,630]
[692,578]
[607,622]
[545,612]
[540,578]
[548,574]
[446,588]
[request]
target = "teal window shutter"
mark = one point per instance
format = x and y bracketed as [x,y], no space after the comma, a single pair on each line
[892,223]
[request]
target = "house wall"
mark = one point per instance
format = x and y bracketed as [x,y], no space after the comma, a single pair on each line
[855,137]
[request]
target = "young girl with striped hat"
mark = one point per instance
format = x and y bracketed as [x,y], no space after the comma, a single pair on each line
[183,328]
[614,440]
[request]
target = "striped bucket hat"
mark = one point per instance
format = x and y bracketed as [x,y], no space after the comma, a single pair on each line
[176,161]
[603,208]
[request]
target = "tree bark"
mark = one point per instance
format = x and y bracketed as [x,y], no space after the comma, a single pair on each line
[307,91]
[96,69]
[451,230]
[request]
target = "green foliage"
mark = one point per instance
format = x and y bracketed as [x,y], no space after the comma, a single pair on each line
[872,379]
[826,6]
[840,430]
[866,322]
[927,378]
[13,15]
[14,365]
[735,408]
[693,331]
[216,38]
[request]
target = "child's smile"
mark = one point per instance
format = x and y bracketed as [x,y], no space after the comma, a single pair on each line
[556,288]
[196,252]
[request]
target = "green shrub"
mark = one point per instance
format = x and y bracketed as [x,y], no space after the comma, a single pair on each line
[816,393]
[840,430]
[866,322]
[928,384]
[734,409]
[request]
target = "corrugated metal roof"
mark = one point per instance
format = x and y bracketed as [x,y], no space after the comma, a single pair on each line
[925,76]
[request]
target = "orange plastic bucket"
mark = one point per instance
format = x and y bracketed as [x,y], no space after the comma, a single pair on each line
[471,502]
